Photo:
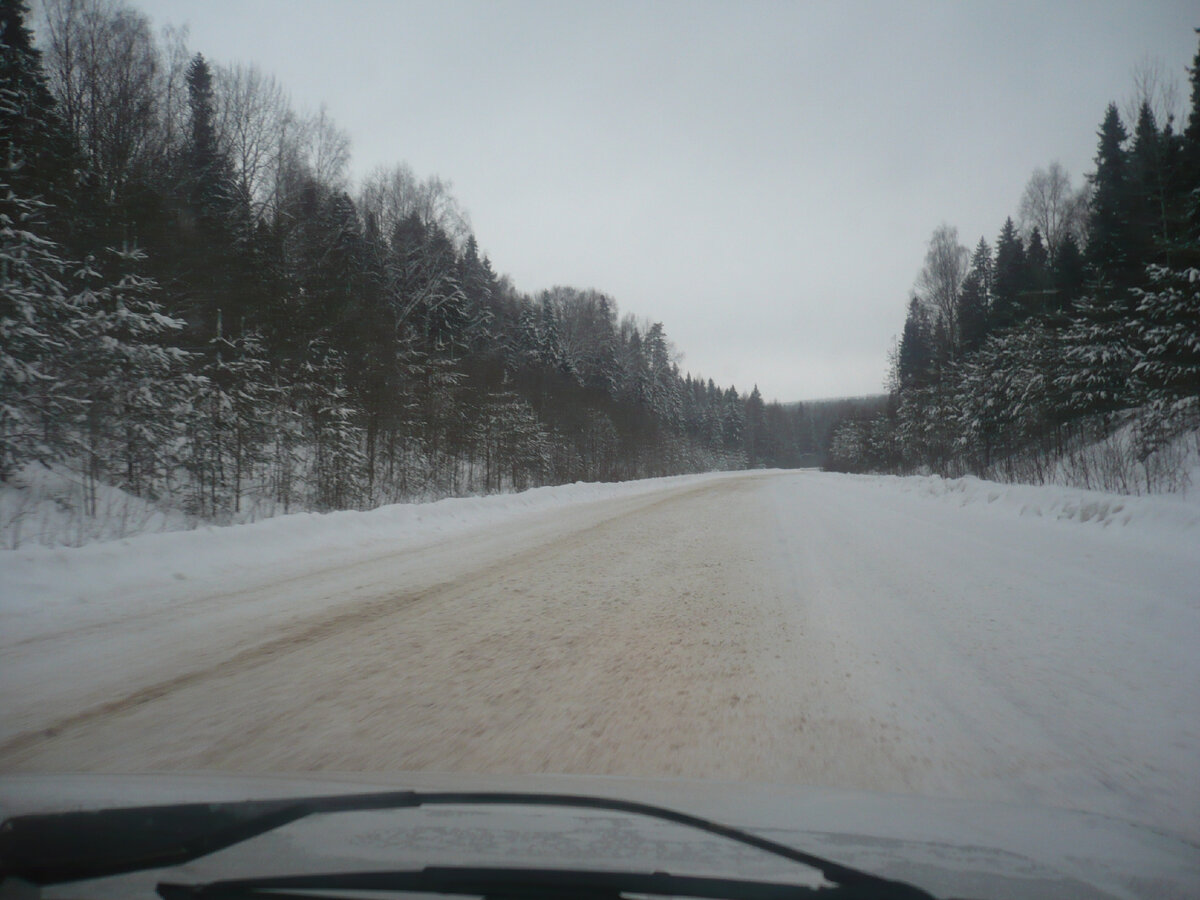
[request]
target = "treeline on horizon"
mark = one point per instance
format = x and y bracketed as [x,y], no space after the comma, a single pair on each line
[1069,349]
[198,308]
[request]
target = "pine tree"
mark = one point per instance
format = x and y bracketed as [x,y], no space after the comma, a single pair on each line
[215,235]
[915,357]
[449,321]
[975,298]
[1069,275]
[1148,155]
[337,275]
[1009,278]
[1192,129]
[481,294]
[662,385]
[1188,187]
[1035,300]
[754,434]
[207,165]
[1109,228]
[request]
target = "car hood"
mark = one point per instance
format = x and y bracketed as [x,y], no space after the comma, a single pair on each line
[951,848]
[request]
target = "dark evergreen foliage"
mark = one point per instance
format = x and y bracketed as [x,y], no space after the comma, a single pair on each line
[36,148]
[1069,275]
[166,331]
[1061,350]
[975,299]
[915,355]
[290,348]
[1113,253]
[1009,279]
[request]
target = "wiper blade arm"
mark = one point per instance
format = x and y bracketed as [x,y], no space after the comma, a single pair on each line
[61,847]
[53,848]
[526,883]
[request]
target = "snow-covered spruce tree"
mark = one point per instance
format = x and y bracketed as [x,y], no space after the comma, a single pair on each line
[847,445]
[423,280]
[863,445]
[128,377]
[515,446]
[247,371]
[36,316]
[437,402]
[228,422]
[599,446]
[1098,355]
[926,427]
[449,318]
[663,378]
[733,428]
[480,289]
[284,448]
[37,325]
[333,438]
[1168,369]
[38,155]
[983,433]
[1008,401]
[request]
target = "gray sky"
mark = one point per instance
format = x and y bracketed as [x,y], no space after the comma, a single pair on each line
[761,177]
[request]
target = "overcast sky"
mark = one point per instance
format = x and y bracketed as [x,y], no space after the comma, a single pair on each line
[760,177]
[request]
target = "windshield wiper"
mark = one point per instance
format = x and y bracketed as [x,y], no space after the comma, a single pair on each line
[60,847]
[539,884]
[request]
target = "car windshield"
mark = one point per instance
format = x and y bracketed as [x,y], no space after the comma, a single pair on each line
[784,413]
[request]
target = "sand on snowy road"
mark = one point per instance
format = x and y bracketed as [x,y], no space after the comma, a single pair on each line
[796,628]
[653,642]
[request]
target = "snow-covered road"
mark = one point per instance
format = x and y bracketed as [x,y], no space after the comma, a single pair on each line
[955,639]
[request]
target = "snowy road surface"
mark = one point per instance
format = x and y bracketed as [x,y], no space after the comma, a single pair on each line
[954,639]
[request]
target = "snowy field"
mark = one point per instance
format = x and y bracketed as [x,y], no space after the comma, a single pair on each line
[944,638]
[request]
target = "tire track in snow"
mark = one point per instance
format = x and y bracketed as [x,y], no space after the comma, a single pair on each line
[346,570]
[318,628]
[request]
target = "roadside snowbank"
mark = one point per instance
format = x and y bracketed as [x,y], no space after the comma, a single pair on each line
[50,507]
[1171,518]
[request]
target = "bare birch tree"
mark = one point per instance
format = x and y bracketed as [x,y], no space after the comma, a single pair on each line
[1051,205]
[940,280]
[103,65]
[252,120]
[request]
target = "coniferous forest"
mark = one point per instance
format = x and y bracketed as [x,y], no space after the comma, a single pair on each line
[199,308]
[1068,349]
